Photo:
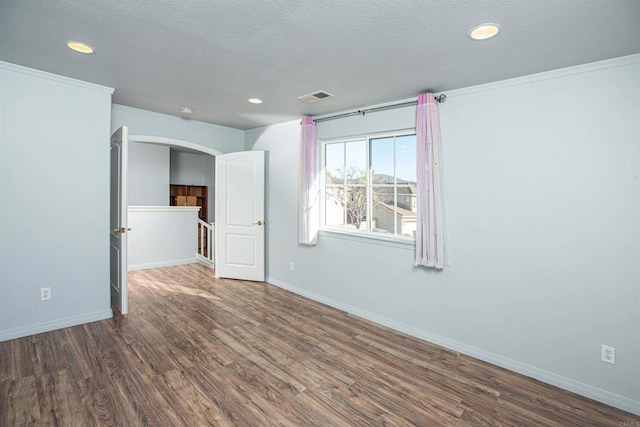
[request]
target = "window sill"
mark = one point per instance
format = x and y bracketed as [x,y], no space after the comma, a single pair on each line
[371,239]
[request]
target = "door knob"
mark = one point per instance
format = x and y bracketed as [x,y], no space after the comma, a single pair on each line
[121,230]
[258,223]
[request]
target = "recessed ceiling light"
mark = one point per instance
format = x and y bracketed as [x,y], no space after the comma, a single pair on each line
[186,110]
[484,31]
[255,100]
[79,47]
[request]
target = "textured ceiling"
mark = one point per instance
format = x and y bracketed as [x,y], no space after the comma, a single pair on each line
[211,55]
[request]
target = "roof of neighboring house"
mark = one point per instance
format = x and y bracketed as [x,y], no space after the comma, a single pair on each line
[405,213]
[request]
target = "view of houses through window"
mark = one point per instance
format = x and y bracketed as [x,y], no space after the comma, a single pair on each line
[370,184]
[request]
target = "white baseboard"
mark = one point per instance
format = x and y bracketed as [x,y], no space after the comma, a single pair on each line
[577,387]
[169,263]
[55,324]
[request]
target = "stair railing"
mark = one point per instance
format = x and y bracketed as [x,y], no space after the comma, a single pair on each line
[205,242]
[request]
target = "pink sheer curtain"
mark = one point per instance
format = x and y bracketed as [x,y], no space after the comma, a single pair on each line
[429,231]
[309,220]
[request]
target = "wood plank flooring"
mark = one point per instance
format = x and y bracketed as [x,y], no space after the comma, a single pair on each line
[197,351]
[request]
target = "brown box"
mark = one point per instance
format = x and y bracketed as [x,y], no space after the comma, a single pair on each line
[186,201]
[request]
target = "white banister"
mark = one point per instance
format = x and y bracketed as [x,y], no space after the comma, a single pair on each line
[206,242]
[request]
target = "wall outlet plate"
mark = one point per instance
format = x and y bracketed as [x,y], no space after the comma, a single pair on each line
[45,294]
[608,354]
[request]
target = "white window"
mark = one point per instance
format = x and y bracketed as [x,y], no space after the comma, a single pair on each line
[369,185]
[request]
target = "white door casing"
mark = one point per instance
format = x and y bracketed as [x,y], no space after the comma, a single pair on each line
[118,221]
[240,222]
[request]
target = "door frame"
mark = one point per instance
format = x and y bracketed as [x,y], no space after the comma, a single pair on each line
[168,142]
[172,142]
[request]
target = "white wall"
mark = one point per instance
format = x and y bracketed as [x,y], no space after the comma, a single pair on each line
[148,178]
[54,201]
[542,210]
[142,122]
[187,168]
[151,229]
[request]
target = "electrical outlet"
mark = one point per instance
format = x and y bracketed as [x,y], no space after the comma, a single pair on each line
[291,266]
[45,294]
[608,354]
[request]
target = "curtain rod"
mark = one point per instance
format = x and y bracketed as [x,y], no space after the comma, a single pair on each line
[439,98]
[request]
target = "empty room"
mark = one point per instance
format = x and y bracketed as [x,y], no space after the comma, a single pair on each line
[248,213]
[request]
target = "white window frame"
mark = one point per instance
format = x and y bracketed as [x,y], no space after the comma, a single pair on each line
[389,239]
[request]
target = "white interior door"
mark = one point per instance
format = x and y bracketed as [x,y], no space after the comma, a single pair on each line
[118,222]
[239,207]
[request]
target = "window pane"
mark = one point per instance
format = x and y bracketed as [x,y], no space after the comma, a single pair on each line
[334,163]
[334,213]
[383,209]
[382,160]
[356,206]
[394,213]
[406,159]
[356,162]
[407,198]
[406,207]
[346,208]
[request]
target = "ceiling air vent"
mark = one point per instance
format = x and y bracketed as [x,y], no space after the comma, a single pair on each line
[315,97]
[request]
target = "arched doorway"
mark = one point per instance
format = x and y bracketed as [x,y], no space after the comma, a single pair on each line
[172,142]
[119,264]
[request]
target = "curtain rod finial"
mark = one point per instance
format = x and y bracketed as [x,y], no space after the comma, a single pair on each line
[440,98]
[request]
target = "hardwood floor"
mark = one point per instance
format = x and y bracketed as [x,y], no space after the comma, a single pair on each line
[197,351]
